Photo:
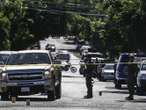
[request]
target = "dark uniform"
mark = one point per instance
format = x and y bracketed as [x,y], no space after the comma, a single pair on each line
[88,76]
[131,80]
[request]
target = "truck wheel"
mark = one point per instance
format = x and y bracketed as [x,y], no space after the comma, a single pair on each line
[117,85]
[81,70]
[4,96]
[102,79]
[139,91]
[58,91]
[58,87]
[51,95]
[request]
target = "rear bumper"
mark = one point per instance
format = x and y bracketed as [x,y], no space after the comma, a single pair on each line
[108,77]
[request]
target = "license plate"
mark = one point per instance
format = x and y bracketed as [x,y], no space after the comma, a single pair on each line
[25,89]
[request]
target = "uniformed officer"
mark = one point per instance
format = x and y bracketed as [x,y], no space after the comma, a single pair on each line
[131,80]
[88,77]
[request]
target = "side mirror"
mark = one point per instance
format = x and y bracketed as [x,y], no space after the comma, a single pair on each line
[1,63]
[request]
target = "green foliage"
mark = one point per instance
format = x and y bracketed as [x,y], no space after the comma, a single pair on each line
[120,34]
[121,29]
[14,31]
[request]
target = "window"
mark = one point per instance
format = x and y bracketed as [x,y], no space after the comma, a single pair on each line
[29,58]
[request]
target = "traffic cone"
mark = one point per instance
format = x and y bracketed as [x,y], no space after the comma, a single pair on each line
[27,102]
[100,93]
[13,99]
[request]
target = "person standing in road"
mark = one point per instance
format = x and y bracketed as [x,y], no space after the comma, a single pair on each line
[132,74]
[88,77]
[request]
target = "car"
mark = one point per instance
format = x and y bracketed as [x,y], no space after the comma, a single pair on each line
[70,37]
[28,70]
[97,55]
[141,79]
[121,73]
[84,48]
[107,72]
[51,47]
[63,55]
[97,60]
[80,43]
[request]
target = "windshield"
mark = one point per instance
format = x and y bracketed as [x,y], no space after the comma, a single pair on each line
[143,67]
[63,56]
[110,67]
[95,55]
[4,58]
[29,58]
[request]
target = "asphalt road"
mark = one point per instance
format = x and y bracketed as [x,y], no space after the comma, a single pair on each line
[73,90]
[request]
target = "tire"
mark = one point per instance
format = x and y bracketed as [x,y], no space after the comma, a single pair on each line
[66,67]
[51,95]
[81,70]
[58,91]
[139,91]
[4,96]
[103,80]
[117,85]
[58,88]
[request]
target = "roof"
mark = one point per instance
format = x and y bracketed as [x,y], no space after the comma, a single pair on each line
[7,52]
[95,53]
[63,52]
[33,51]
[109,64]
[85,47]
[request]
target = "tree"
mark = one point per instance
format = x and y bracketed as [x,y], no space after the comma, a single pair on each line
[13,26]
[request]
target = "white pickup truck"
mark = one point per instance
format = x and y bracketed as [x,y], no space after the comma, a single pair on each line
[30,72]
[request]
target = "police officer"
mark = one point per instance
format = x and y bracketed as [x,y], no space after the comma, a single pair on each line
[88,77]
[132,74]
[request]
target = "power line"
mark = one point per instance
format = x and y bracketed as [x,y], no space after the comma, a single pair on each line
[53,11]
[65,8]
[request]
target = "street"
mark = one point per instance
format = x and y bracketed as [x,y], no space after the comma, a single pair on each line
[73,91]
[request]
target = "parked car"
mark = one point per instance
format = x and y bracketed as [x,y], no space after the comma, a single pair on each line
[120,76]
[27,71]
[70,37]
[84,48]
[97,55]
[97,60]
[51,47]
[63,56]
[141,79]
[79,44]
[107,72]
